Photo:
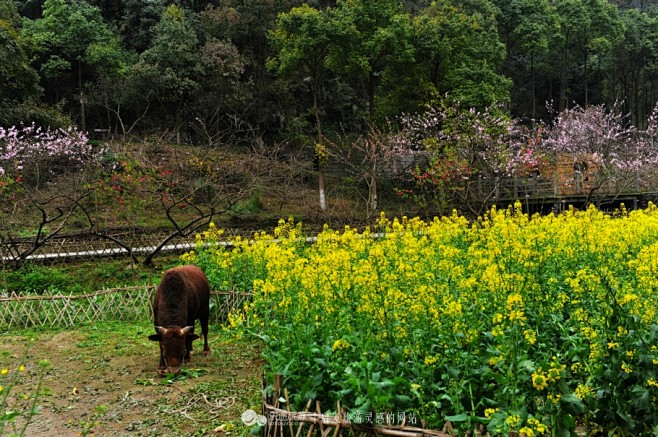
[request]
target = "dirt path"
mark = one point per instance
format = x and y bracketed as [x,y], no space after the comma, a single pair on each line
[102,382]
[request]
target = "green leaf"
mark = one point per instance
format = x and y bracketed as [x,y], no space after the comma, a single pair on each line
[458,418]
[528,366]
[8,416]
[403,399]
[572,403]
[640,397]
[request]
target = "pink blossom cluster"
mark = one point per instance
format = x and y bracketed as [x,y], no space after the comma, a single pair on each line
[496,146]
[604,137]
[491,143]
[20,146]
[527,156]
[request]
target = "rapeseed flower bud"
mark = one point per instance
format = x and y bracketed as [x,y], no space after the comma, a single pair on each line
[539,380]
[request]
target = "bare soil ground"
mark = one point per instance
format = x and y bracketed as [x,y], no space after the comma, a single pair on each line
[102,381]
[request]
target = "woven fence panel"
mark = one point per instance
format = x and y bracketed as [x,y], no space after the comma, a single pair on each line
[132,303]
[278,420]
[224,302]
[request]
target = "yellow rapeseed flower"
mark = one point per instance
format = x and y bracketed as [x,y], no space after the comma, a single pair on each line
[514,301]
[583,391]
[530,336]
[537,426]
[495,360]
[539,380]
[555,372]
[528,432]
[429,360]
[340,345]
[497,331]
[554,398]
[513,421]
[595,351]
[626,368]
[490,412]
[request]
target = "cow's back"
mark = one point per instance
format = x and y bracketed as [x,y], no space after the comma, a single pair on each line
[182,296]
[197,281]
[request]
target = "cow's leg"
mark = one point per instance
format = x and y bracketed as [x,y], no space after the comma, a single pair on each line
[162,367]
[204,330]
[188,348]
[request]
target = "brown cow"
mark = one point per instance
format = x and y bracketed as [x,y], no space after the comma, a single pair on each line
[182,297]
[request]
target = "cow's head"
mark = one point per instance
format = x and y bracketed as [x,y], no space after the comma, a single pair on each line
[173,345]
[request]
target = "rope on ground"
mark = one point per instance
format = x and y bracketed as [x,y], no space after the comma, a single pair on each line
[200,401]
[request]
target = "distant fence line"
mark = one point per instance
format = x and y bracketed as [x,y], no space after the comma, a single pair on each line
[129,303]
[66,248]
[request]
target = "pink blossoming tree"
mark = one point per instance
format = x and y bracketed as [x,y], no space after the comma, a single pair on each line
[476,158]
[470,153]
[47,175]
[34,152]
[608,155]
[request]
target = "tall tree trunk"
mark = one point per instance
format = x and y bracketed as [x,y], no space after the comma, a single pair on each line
[563,82]
[372,189]
[636,96]
[320,145]
[371,97]
[534,91]
[83,122]
[586,72]
[179,118]
[563,74]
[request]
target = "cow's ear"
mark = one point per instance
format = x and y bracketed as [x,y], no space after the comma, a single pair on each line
[155,337]
[193,336]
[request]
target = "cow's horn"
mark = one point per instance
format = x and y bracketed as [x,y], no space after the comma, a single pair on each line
[188,329]
[160,330]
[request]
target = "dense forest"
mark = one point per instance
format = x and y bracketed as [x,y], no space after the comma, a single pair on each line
[232,72]
[448,104]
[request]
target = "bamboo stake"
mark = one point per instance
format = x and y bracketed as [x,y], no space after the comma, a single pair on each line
[339,418]
[285,391]
[301,424]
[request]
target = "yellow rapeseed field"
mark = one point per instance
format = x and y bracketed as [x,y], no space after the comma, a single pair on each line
[540,324]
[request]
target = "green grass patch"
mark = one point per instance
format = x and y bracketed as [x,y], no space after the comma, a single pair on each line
[103,380]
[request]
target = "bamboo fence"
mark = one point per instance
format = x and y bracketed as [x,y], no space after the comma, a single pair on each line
[130,303]
[280,421]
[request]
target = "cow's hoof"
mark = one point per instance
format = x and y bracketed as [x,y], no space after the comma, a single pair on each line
[206,353]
